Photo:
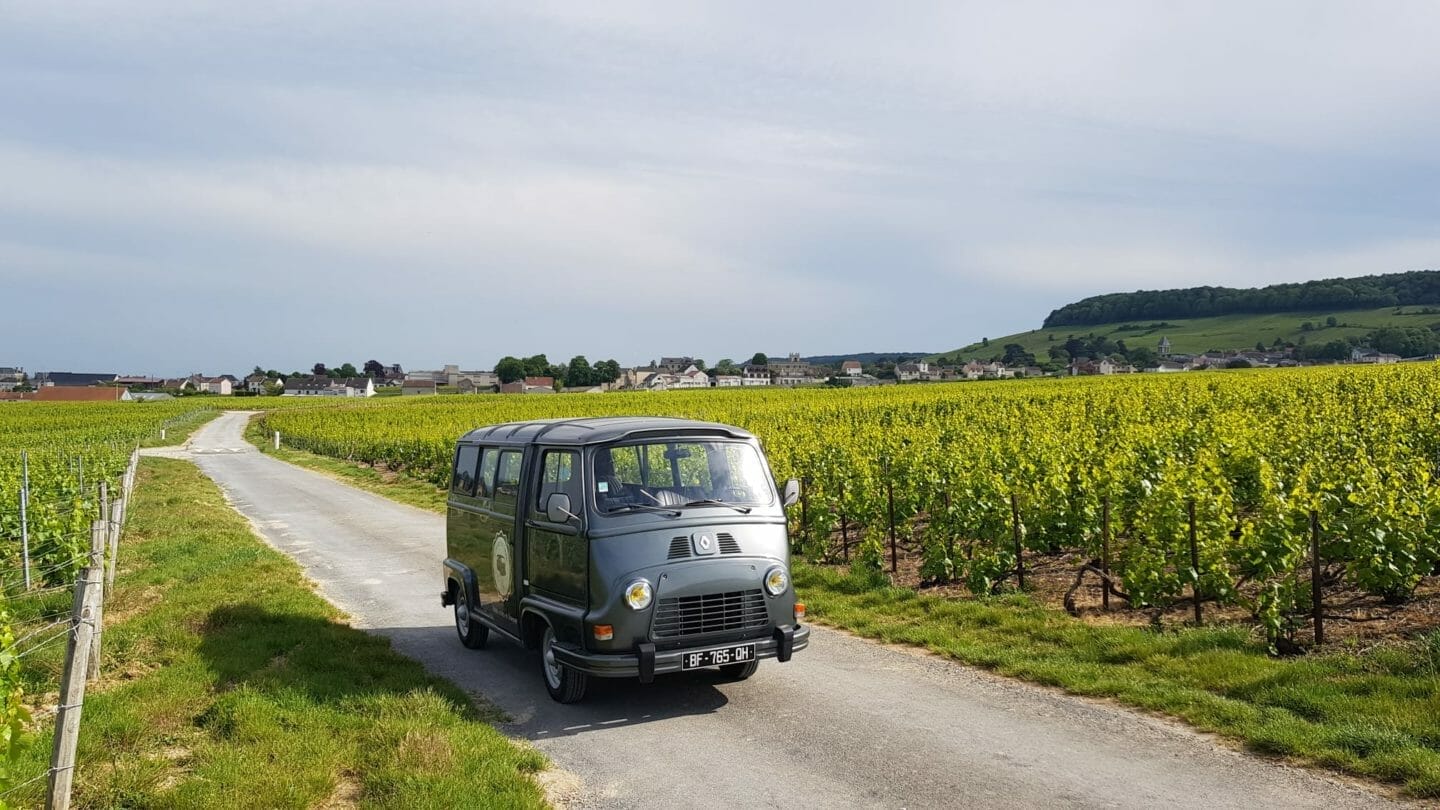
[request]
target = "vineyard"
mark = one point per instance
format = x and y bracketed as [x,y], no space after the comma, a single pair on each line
[1213,488]
[64,469]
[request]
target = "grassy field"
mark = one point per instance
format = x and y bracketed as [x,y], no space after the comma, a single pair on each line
[1197,335]
[229,683]
[1372,712]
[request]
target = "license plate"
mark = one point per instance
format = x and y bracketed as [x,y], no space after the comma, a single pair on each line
[738,654]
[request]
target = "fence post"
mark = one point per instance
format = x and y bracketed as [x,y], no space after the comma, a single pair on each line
[113,522]
[1105,552]
[890,494]
[1315,603]
[949,533]
[277,440]
[99,535]
[844,525]
[1019,547]
[72,695]
[1194,563]
[25,514]
[805,510]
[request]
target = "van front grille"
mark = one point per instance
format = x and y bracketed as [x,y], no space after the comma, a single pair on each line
[679,616]
[680,546]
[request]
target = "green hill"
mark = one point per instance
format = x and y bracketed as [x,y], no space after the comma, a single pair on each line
[1197,335]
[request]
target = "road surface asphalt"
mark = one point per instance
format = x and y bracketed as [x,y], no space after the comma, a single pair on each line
[847,723]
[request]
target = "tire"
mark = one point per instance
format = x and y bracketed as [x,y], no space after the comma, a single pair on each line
[739,672]
[564,684]
[472,632]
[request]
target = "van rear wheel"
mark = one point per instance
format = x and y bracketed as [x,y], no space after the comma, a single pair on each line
[564,684]
[472,632]
[739,672]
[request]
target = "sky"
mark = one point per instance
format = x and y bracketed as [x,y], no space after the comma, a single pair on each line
[207,187]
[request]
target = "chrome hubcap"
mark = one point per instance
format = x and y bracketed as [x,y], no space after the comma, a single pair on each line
[462,617]
[552,667]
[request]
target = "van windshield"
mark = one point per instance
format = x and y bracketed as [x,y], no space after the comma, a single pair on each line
[679,474]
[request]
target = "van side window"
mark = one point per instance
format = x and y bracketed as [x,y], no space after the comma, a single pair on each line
[507,482]
[485,486]
[558,474]
[463,481]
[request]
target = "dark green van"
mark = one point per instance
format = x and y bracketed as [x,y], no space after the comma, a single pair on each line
[621,547]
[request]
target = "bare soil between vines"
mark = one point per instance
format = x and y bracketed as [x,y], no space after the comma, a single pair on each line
[1351,616]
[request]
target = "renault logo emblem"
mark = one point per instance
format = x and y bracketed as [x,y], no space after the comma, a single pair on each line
[705,542]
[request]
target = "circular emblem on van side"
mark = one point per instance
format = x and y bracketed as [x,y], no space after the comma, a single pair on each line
[500,566]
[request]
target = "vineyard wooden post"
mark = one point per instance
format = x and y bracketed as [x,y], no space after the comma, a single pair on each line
[1105,552]
[890,494]
[277,440]
[805,510]
[1194,563]
[72,693]
[1019,546]
[116,518]
[1315,603]
[844,525]
[25,514]
[99,537]
[949,534]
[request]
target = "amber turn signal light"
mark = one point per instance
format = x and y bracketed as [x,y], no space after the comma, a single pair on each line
[604,632]
[799,611]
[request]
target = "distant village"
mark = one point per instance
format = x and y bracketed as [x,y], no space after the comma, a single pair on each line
[666,374]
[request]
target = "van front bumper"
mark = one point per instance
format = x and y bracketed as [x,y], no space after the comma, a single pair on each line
[645,663]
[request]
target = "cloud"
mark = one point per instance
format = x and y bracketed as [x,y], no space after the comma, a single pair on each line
[635,179]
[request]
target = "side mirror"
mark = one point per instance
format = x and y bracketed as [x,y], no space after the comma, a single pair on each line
[792,492]
[557,508]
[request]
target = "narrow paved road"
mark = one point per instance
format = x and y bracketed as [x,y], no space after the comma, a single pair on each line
[846,724]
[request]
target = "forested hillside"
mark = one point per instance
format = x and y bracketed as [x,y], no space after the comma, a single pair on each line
[1421,287]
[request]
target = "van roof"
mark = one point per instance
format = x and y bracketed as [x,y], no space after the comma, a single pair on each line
[597,430]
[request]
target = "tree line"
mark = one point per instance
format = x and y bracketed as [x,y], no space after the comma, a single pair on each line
[1420,287]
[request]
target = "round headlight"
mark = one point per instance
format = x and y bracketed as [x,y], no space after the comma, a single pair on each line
[638,594]
[776,581]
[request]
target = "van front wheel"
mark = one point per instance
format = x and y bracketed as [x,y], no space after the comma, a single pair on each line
[472,632]
[564,684]
[739,672]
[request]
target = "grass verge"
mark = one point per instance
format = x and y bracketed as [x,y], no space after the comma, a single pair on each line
[395,486]
[227,682]
[179,431]
[1372,713]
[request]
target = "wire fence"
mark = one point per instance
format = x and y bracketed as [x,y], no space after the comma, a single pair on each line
[33,626]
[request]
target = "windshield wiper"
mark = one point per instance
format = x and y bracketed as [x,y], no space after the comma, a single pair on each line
[744,510]
[644,507]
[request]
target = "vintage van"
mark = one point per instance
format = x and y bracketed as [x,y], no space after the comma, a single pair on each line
[621,547]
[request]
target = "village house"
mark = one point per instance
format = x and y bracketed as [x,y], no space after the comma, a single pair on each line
[417,388]
[673,365]
[11,377]
[530,385]
[754,375]
[256,383]
[329,387]
[1368,355]
[910,372]
[66,379]
[216,385]
[728,381]
[851,368]
[690,377]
